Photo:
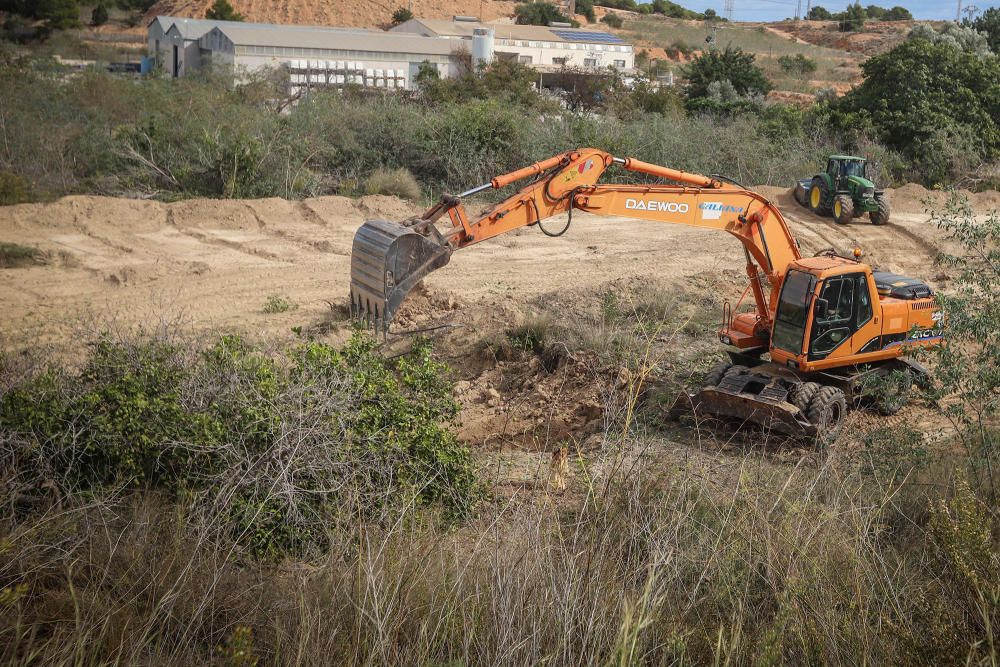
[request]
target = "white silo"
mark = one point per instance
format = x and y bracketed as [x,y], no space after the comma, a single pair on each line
[482,46]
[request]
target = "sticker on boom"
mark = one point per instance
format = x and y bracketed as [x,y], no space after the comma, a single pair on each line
[713,210]
[655,205]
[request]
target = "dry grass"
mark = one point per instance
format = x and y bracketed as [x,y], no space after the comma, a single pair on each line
[747,565]
[398,182]
[14,255]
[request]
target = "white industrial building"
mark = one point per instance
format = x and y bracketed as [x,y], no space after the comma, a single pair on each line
[542,47]
[313,55]
[319,56]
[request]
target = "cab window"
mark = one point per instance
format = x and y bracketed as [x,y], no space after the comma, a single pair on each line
[864,301]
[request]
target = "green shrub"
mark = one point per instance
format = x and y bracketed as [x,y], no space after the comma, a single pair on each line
[613,20]
[538,12]
[277,304]
[397,182]
[401,15]
[798,64]
[221,10]
[14,189]
[268,448]
[729,64]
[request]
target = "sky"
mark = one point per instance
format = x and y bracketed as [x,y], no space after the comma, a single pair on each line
[774,10]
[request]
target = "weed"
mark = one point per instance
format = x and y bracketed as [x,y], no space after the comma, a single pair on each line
[14,255]
[399,182]
[277,304]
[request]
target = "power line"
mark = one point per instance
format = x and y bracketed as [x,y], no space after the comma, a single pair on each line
[729,10]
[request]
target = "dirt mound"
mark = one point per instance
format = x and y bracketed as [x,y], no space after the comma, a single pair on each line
[877,36]
[359,14]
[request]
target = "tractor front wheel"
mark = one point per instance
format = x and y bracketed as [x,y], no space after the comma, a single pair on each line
[881,216]
[843,209]
[818,194]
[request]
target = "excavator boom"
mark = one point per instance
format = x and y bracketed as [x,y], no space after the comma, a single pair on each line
[389,259]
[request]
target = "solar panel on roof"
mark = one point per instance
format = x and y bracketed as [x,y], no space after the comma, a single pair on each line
[595,37]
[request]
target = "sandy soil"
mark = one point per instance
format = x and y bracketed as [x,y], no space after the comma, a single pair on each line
[363,14]
[215,263]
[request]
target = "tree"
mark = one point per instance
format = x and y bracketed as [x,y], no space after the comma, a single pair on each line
[710,14]
[968,368]
[988,23]
[401,15]
[586,7]
[730,64]
[100,15]
[898,14]
[937,104]
[58,14]
[221,10]
[539,13]
[853,18]
[818,13]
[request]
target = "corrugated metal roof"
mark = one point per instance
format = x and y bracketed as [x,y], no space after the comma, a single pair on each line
[346,39]
[446,28]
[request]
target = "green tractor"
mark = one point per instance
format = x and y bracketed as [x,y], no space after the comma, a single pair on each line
[844,191]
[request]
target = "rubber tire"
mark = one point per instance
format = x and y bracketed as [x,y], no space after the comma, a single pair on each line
[802,393]
[714,376]
[801,196]
[901,396]
[881,216]
[846,205]
[736,370]
[821,208]
[826,411]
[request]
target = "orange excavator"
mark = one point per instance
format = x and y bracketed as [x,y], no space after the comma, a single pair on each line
[823,331]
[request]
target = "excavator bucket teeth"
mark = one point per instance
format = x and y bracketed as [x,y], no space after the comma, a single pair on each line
[387,261]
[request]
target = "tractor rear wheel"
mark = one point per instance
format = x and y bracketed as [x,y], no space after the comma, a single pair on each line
[843,209]
[881,216]
[826,412]
[818,195]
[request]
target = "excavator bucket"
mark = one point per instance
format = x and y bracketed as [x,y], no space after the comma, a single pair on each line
[388,259]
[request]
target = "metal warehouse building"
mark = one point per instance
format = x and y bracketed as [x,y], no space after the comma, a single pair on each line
[313,55]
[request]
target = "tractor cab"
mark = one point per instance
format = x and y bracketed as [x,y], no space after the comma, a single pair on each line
[842,167]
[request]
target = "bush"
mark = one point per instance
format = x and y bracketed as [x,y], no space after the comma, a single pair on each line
[401,15]
[277,304]
[269,447]
[613,20]
[538,12]
[397,182]
[730,64]
[15,254]
[799,64]
[14,189]
[586,7]
[988,23]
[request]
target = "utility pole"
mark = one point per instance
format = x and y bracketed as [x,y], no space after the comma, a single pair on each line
[729,10]
[958,14]
[798,10]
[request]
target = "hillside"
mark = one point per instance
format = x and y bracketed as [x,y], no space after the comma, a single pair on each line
[359,13]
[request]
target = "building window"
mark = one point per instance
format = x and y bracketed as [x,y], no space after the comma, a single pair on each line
[590,62]
[524,59]
[559,61]
[620,63]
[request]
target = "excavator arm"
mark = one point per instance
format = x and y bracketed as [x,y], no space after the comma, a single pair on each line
[389,259]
